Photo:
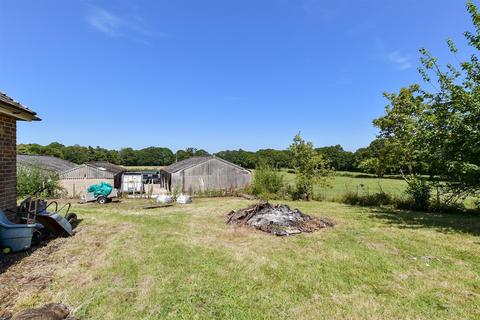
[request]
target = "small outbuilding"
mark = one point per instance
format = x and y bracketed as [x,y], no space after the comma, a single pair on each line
[200,174]
[76,181]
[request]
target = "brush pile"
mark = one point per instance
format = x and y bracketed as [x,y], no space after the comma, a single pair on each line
[279,220]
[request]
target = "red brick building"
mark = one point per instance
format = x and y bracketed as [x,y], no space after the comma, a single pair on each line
[10,112]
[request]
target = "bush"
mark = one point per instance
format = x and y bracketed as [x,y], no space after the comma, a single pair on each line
[447,207]
[476,203]
[36,181]
[418,191]
[373,199]
[267,182]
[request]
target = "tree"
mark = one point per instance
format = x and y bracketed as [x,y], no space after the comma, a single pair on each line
[338,158]
[401,127]
[378,158]
[246,159]
[451,128]
[128,157]
[154,156]
[76,154]
[54,149]
[201,153]
[274,158]
[310,167]
[191,152]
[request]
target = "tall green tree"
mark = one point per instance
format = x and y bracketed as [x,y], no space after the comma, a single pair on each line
[274,158]
[128,157]
[310,167]
[246,159]
[451,128]
[338,158]
[400,129]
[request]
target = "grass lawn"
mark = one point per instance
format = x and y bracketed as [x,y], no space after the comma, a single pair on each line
[184,262]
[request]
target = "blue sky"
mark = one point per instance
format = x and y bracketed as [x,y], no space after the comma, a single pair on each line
[215,74]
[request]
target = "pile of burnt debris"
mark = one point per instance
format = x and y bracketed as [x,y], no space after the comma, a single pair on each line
[279,220]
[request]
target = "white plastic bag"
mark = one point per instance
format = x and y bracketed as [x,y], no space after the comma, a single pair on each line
[184,199]
[164,198]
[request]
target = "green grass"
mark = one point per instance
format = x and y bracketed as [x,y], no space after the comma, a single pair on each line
[341,184]
[183,262]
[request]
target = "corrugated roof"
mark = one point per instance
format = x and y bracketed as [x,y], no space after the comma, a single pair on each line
[16,106]
[184,164]
[87,171]
[48,163]
[194,161]
[110,167]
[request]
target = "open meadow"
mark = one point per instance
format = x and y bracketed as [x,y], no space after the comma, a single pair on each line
[184,262]
[352,182]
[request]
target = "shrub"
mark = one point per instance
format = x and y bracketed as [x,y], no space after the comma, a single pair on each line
[447,207]
[418,191]
[311,168]
[368,199]
[476,203]
[267,182]
[36,181]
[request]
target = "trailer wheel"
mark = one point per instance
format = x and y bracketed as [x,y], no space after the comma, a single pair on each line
[102,200]
[71,217]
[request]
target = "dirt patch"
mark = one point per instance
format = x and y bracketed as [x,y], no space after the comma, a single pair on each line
[33,273]
[279,220]
[30,273]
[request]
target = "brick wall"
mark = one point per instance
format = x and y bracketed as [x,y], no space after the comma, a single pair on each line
[8,159]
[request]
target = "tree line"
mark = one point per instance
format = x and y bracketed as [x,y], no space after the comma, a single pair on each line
[337,158]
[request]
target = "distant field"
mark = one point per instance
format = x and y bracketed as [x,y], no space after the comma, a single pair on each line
[343,183]
[143,168]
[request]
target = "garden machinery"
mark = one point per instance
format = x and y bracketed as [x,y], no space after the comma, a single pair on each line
[38,224]
[101,193]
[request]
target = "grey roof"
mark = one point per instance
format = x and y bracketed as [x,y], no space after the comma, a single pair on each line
[16,106]
[48,163]
[110,167]
[192,162]
[184,164]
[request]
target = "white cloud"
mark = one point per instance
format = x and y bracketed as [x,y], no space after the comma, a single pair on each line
[403,62]
[105,22]
[116,25]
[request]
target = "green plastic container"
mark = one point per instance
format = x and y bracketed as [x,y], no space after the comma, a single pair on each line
[101,189]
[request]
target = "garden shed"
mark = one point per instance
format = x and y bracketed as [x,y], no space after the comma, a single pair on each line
[200,174]
[10,112]
[76,181]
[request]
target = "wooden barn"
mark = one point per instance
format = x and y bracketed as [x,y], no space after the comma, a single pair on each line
[199,174]
[76,181]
